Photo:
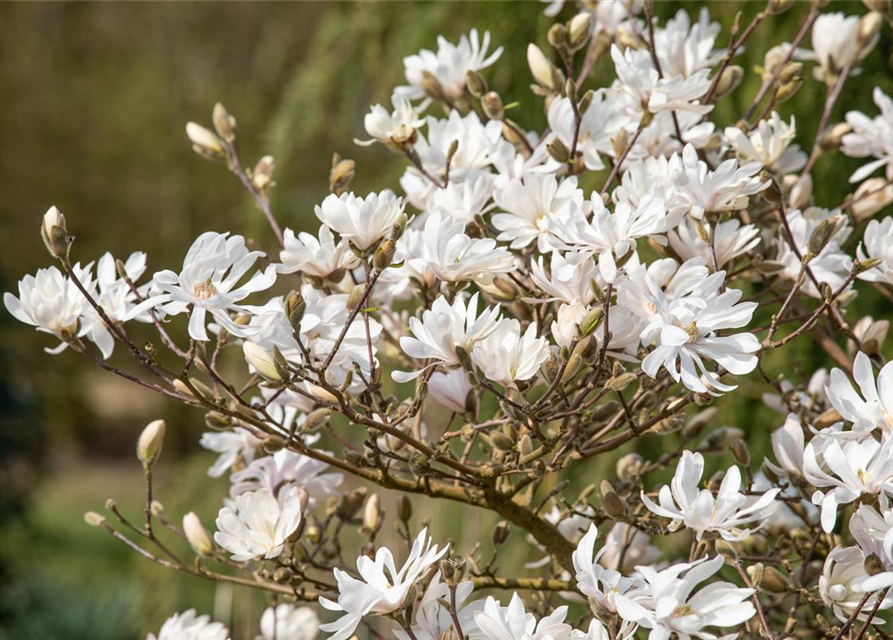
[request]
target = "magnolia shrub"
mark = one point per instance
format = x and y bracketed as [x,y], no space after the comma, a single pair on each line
[496,326]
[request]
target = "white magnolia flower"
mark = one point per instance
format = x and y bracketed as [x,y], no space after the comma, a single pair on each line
[638,78]
[611,236]
[599,125]
[873,408]
[288,622]
[529,204]
[788,442]
[684,332]
[506,355]
[570,277]
[873,531]
[381,588]
[319,257]
[235,447]
[441,251]
[363,221]
[513,622]
[684,48]
[842,584]
[450,388]
[831,265]
[878,243]
[691,239]
[594,580]
[871,137]
[729,513]
[190,626]
[770,145]
[432,619]
[660,138]
[463,200]
[392,128]
[665,604]
[51,302]
[836,45]
[566,326]
[674,280]
[208,284]
[624,543]
[847,469]
[442,329]
[703,191]
[285,467]
[449,65]
[258,524]
[649,177]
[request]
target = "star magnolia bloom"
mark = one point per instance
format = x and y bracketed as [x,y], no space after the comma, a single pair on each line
[569,279]
[529,204]
[873,408]
[285,467]
[599,125]
[730,241]
[442,329]
[631,546]
[726,514]
[770,145]
[702,191]
[233,446]
[288,622]
[207,284]
[319,257]
[381,588]
[450,388]
[664,602]
[189,626]
[873,531]
[685,333]
[848,469]
[257,525]
[595,581]
[878,243]
[433,620]
[449,65]
[836,44]
[506,355]
[496,622]
[50,302]
[684,48]
[393,129]
[363,221]
[842,584]
[637,77]
[787,445]
[831,265]
[871,137]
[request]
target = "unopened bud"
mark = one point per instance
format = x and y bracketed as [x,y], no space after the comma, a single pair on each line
[740,452]
[830,139]
[559,151]
[224,123]
[261,360]
[500,534]
[591,320]
[869,27]
[773,580]
[372,515]
[557,36]
[501,441]
[729,80]
[475,82]
[404,508]
[787,90]
[148,446]
[884,7]
[492,105]
[727,551]
[823,234]
[94,519]
[356,294]
[295,306]
[352,503]
[543,71]
[873,565]
[262,176]
[621,382]
[611,502]
[384,255]
[630,466]
[54,233]
[578,30]
[755,573]
[777,7]
[197,535]
[341,174]
[205,142]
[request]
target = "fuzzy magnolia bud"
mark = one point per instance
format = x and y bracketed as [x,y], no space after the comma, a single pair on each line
[492,104]
[295,306]
[384,254]
[224,123]
[94,519]
[148,447]
[54,233]
[823,233]
[205,142]
[404,508]
[475,82]
[729,80]
[500,534]
[262,360]
[197,535]
[773,581]
[341,174]
[262,176]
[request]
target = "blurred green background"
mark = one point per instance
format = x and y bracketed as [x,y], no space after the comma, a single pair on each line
[94,100]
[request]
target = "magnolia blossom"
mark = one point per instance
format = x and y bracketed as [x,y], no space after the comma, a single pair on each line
[363,221]
[702,191]
[691,239]
[847,469]
[599,126]
[287,468]
[770,145]
[432,619]
[873,530]
[258,524]
[513,622]
[51,302]
[871,137]
[831,265]
[395,128]
[207,284]
[288,622]
[443,329]
[506,355]
[684,332]
[381,588]
[684,48]
[569,279]
[837,44]
[529,204]
[878,243]
[237,446]
[450,388]
[640,80]
[316,256]
[630,546]
[594,580]
[728,514]
[448,66]
[190,626]
[787,445]
[842,584]
[871,409]
[665,604]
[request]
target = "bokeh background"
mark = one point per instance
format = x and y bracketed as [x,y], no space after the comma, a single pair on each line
[93,101]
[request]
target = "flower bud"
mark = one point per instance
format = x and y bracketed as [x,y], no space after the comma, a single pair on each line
[356,294]
[543,71]
[501,441]
[384,254]
[262,176]
[492,105]
[870,197]
[224,123]
[148,446]
[54,233]
[773,580]
[729,80]
[323,394]
[777,7]
[611,502]
[341,174]
[295,306]
[261,360]
[352,503]
[620,382]
[205,142]
[630,466]
[475,82]
[432,86]
[727,551]
[884,7]
[830,139]
[197,535]
[591,320]
[559,151]
[500,534]
[404,508]
[579,28]
[740,452]
[873,565]
[823,234]
[94,519]
[316,420]
[869,28]
[755,572]
[372,515]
